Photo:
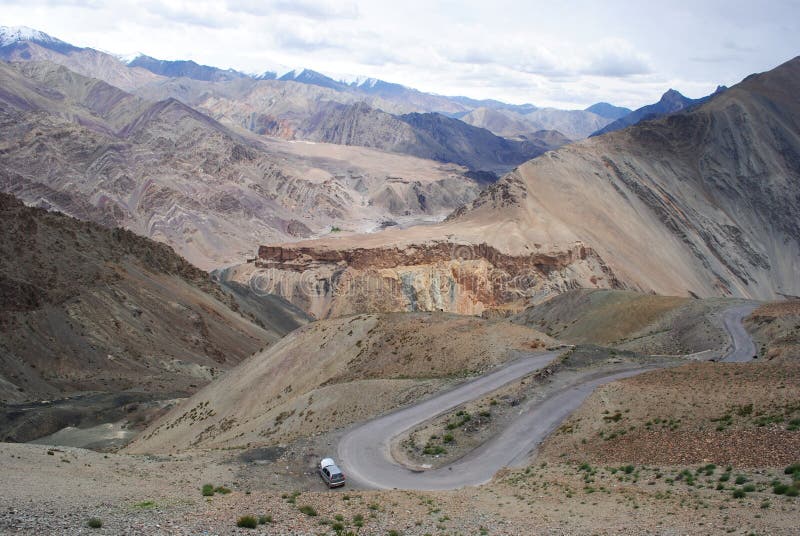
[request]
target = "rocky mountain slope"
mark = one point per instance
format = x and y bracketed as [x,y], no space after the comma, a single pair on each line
[169,172]
[86,308]
[702,203]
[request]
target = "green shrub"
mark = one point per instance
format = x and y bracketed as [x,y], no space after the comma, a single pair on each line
[792,491]
[222,489]
[749,488]
[94,523]
[779,489]
[738,493]
[628,469]
[792,469]
[358,520]
[263,520]
[740,479]
[308,510]
[433,450]
[448,438]
[724,477]
[208,490]
[247,522]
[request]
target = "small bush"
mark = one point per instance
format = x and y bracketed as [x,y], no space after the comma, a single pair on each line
[308,510]
[738,493]
[208,490]
[792,469]
[792,491]
[448,438]
[222,489]
[740,479]
[94,523]
[749,488]
[779,489]
[628,469]
[263,520]
[724,477]
[337,527]
[247,522]
[358,520]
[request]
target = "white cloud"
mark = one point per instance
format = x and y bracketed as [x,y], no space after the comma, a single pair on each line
[565,54]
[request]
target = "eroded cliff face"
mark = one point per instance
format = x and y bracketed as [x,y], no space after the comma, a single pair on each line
[436,276]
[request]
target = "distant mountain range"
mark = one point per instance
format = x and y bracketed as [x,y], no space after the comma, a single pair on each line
[139,72]
[671,101]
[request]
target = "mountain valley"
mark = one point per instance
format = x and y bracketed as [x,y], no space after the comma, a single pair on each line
[496,318]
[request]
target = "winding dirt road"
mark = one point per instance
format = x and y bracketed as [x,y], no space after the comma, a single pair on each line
[364,452]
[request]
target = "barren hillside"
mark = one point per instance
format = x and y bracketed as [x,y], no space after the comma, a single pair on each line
[333,373]
[89,309]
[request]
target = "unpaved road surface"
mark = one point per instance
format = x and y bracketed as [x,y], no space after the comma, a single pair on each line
[364,452]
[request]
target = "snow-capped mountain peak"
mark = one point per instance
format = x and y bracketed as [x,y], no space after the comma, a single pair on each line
[128,58]
[14,34]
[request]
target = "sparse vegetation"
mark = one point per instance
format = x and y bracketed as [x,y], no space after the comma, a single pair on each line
[94,523]
[308,510]
[247,522]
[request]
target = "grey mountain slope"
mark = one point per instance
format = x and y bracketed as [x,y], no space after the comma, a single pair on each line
[609,111]
[431,136]
[706,201]
[574,124]
[671,101]
[185,69]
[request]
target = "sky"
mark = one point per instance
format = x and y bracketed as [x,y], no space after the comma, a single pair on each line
[565,54]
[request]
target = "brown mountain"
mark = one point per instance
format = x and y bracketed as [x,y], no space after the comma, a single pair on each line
[169,172]
[705,203]
[109,317]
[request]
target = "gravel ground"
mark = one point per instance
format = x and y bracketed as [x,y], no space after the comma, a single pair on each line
[58,493]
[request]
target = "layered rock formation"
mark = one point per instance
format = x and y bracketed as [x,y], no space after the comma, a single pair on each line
[432,276]
[169,172]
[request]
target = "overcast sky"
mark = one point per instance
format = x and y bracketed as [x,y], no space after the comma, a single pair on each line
[567,54]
